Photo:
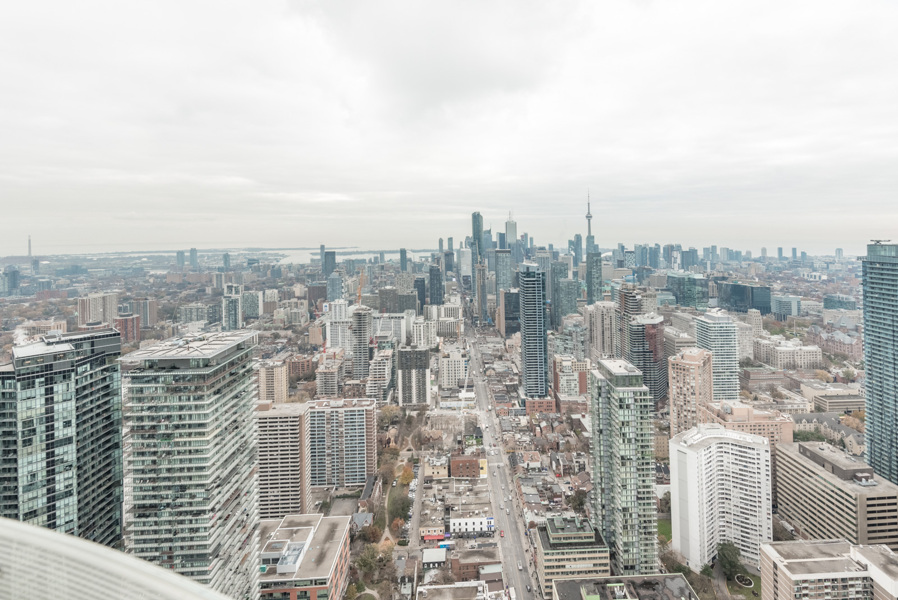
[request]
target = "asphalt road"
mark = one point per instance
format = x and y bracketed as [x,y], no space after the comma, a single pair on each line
[515,546]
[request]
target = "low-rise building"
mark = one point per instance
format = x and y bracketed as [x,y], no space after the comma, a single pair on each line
[304,557]
[567,547]
[644,587]
[825,569]
[466,564]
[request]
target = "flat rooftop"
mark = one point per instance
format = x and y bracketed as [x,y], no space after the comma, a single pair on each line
[476,555]
[619,367]
[831,454]
[323,537]
[651,587]
[207,345]
[818,557]
[463,590]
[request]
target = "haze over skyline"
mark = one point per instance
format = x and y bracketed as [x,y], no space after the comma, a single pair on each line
[276,124]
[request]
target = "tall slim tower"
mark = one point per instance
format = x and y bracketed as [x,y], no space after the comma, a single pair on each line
[690,382]
[362,322]
[593,277]
[716,332]
[590,239]
[61,437]
[191,485]
[880,280]
[534,340]
[476,239]
[624,466]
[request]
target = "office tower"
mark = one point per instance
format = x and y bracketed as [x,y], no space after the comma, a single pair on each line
[839,254]
[335,290]
[794,253]
[503,270]
[577,247]
[448,262]
[321,256]
[837,301]
[194,259]
[463,264]
[436,285]
[412,375]
[329,264]
[558,270]
[824,494]
[232,310]
[226,261]
[193,507]
[716,332]
[785,306]
[880,284]
[593,278]
[61,437]
[740,297]
[779,253]
[763,253]
[403,260]
[284,467]
[599,319]
[501,244]
[508,312]
[421,291]
[481,294]
[476,239]
[450,243]
[566,302]
[440,246]
[624,466]
[97,308]
[804,256]
[388,299]
[453,368]
[690,379]
[342,442]
[273,381]
[361,340]
[534,340]
[719,492]
[689,289]
[180,259]
[820,570]
[689,259]
[646,353]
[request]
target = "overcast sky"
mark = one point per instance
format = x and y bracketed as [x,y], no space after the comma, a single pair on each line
[163,125]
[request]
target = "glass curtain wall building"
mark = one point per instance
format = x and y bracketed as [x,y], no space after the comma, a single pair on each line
[880,280]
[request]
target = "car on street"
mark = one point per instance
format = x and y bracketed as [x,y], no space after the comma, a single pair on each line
[502,533]
[520,566]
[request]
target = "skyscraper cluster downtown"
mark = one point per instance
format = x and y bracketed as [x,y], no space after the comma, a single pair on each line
[704,384]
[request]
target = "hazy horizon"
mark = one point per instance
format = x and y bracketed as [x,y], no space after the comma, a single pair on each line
[285,124]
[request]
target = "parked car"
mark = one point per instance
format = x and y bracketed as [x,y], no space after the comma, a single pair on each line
[502,533]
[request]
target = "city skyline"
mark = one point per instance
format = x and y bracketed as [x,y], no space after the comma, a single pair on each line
[269,124]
